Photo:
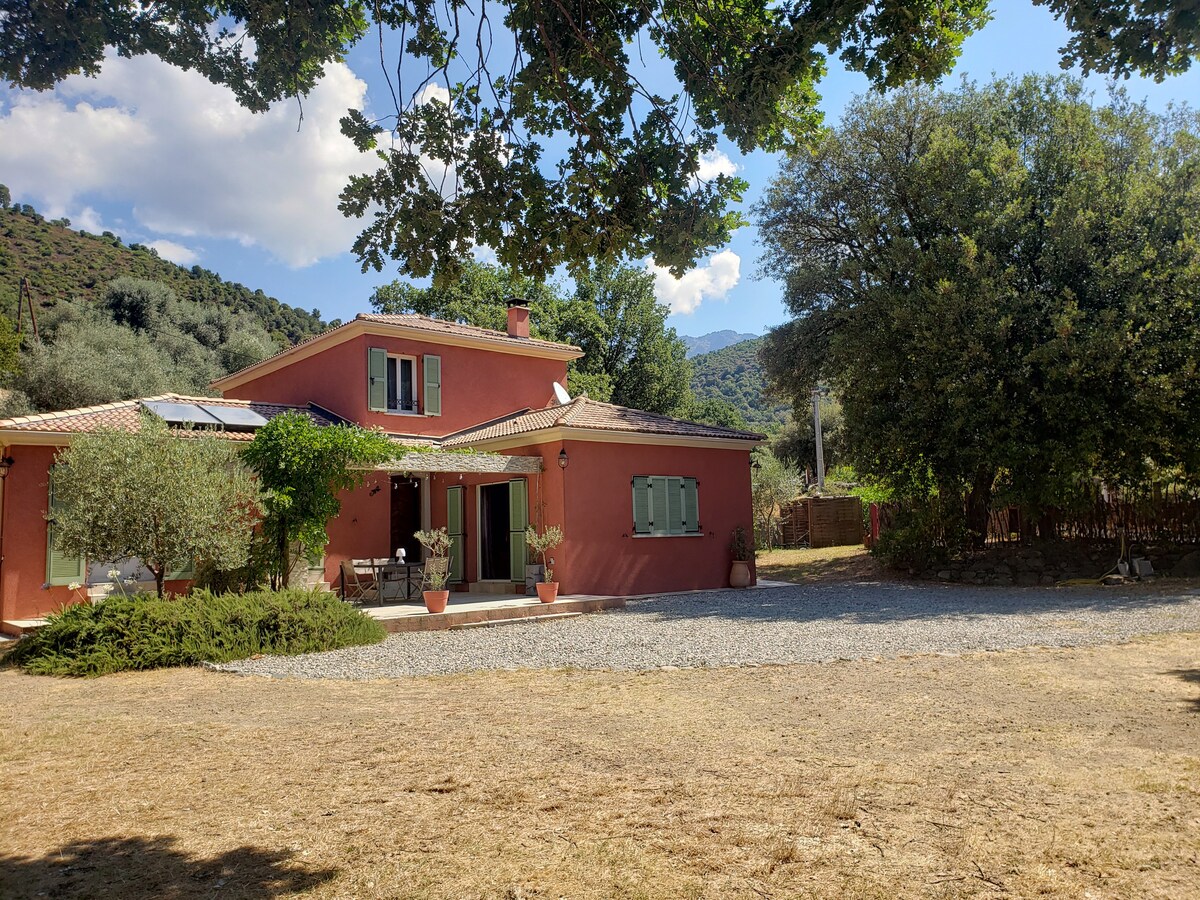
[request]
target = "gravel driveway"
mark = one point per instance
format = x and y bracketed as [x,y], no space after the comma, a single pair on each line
[797,623]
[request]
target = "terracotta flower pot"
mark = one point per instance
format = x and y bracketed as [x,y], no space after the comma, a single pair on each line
[435,601]
[739,574]
[547,592]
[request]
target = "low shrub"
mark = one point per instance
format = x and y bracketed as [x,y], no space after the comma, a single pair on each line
[144,632]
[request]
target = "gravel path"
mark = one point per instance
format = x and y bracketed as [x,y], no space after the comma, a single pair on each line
[800,623]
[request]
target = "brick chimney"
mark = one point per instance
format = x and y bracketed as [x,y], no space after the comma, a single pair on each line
[518,318]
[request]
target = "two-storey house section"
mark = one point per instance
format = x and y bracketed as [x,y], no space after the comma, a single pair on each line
[411,374]
[647,503]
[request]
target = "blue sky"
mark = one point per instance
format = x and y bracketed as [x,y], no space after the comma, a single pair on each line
[161,157]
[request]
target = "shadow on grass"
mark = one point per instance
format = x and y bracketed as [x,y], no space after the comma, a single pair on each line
[145,868]
[1191,676]
[883,602]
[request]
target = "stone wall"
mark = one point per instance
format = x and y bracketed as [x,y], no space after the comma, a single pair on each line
[1051,562]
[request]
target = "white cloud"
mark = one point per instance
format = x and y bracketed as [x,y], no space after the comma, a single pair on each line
[711,281]
[176,253]
[433,91]
[715,163]
[187,158]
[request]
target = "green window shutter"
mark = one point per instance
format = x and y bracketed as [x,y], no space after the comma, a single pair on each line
[60,568]
[186,573]
[377,379]
[454,527]
[518,518]
[660,511]
[691,507]
[432,366]
[674,505]
[641,504]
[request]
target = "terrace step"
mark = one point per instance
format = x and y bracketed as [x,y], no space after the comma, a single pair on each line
[19,627]
[495,623]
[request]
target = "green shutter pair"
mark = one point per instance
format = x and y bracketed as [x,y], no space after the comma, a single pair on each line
[60,568]
[431,367]
[664,505]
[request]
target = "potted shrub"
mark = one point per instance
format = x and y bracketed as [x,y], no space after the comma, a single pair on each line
[739,549]
[437,542]
[541,544]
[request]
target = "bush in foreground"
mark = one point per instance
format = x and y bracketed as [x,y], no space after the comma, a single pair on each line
[144,632]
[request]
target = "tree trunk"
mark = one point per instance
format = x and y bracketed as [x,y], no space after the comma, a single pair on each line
[159,576]
[978,502]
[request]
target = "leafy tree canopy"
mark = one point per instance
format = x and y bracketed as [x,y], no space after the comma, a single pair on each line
[166,499]
[302,468]
[554,145]
[1000,283]
[631,357]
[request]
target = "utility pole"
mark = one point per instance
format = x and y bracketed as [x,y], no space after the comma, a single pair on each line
[816,400]
[25,298]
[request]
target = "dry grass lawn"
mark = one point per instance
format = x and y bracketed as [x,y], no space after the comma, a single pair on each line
[824,564]
[1068,773]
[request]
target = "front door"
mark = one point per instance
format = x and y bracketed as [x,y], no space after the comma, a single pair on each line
[406,516]
[494,564]
[503,514]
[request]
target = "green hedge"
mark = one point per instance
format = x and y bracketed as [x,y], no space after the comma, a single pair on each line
[143,632]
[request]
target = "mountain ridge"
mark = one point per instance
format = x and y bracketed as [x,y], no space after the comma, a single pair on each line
[714,340]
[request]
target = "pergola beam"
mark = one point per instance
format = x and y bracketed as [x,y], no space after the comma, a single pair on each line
[484,463]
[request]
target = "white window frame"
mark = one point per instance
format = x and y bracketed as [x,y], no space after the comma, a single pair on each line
[415,384]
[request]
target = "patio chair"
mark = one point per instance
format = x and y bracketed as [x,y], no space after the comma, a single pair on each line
[354,588]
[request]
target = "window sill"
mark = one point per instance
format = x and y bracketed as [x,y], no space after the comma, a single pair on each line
[690,534]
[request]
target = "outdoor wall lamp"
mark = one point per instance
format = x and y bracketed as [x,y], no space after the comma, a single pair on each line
[6,463]
[562,458]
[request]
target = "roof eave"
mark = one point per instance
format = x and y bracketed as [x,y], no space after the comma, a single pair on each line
[357,327]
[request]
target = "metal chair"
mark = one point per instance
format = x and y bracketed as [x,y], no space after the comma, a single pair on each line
[354,589]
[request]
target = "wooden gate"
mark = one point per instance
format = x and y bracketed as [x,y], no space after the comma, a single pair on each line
[822,522]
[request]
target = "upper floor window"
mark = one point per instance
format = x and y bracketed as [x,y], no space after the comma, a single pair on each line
[402,384]
[396,385]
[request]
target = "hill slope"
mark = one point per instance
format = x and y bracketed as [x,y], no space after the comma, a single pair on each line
[714,340]
[734,374]
[61,264]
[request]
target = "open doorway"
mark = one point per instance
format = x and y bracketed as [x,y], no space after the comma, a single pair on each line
[406,516]
[494,546]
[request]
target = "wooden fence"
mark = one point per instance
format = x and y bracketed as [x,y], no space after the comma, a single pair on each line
[1165,515]
[822,522]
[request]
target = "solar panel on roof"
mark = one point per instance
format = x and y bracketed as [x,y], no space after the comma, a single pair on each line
[180,413]
[235,418]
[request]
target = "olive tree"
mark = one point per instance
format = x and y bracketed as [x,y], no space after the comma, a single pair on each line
[772,484]
[169,498]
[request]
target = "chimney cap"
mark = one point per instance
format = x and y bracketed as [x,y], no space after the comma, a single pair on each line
[516,301]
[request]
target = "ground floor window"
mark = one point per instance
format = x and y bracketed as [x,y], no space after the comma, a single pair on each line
[665,505]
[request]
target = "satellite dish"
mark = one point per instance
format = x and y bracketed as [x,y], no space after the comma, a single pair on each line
[560,394]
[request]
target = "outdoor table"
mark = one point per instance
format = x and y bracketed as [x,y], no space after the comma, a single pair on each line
[393,573]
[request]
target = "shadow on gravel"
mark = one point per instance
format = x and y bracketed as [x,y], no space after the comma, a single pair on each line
[136,868]
[891,602]
[1191,676]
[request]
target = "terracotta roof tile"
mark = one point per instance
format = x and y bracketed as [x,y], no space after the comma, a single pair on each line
[126,415]
[442,326]
[585,413]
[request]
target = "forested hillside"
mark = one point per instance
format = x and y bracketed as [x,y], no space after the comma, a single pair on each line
[117,322]
[734,374]
[62,264]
